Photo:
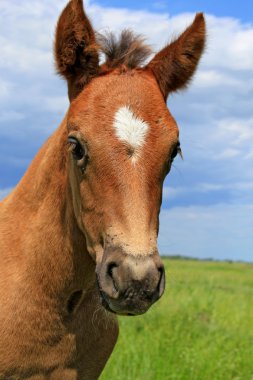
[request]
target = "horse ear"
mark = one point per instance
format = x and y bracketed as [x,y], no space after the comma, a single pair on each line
[76,52]
[175,65]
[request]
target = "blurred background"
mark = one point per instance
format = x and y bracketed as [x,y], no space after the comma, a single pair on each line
[208,197]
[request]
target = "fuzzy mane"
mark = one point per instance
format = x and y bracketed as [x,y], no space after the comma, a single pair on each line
[129,49]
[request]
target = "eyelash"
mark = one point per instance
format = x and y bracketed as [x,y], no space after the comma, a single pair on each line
[177,151]
[78,152]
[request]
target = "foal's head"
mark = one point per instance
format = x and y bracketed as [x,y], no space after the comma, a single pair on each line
[122,141]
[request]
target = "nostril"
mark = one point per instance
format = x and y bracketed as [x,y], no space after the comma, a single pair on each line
[161,282]
[110,268]
[111,273]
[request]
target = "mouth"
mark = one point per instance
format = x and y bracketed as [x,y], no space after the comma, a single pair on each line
[106,304]
[115,309]
[103,298]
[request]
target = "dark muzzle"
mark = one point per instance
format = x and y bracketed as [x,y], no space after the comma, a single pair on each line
[130,284]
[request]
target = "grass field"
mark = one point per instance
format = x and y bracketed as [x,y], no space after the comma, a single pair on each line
[202,328]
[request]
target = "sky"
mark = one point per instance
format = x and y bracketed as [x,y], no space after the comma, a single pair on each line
[207,207]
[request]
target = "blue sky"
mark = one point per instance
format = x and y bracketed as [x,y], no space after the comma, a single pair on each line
[233,8]
[208,198]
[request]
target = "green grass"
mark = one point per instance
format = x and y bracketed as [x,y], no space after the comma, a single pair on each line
[202,328]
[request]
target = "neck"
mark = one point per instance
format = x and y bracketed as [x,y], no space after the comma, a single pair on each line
[55,250]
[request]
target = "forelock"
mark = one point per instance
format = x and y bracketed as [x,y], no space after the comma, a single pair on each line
[129,49]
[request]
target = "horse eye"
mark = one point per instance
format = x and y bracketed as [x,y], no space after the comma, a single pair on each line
[76,149]
[174,154]
[177,150]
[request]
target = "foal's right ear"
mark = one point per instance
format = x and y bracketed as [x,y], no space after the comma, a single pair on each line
[76,51]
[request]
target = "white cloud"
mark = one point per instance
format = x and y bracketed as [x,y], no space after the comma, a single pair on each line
[237,192]
[23,58]
[239,131]
[228,153]
[213,78]
[229,44]
[117,19]
[5,88]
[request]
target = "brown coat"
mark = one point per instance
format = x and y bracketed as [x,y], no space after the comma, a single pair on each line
[80,229]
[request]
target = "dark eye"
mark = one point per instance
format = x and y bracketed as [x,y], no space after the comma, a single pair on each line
[76,149]
[177,150]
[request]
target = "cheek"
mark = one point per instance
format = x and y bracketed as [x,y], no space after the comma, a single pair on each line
[86,207]
[155,199]
[74,179]
[92,213]
[155,186]
[93,222]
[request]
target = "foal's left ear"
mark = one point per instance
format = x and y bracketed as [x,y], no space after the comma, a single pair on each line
[175,65]
[76,52]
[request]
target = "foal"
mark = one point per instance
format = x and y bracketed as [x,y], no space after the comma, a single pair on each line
[78,235]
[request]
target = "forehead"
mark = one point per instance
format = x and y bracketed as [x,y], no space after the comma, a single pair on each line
[114,101]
